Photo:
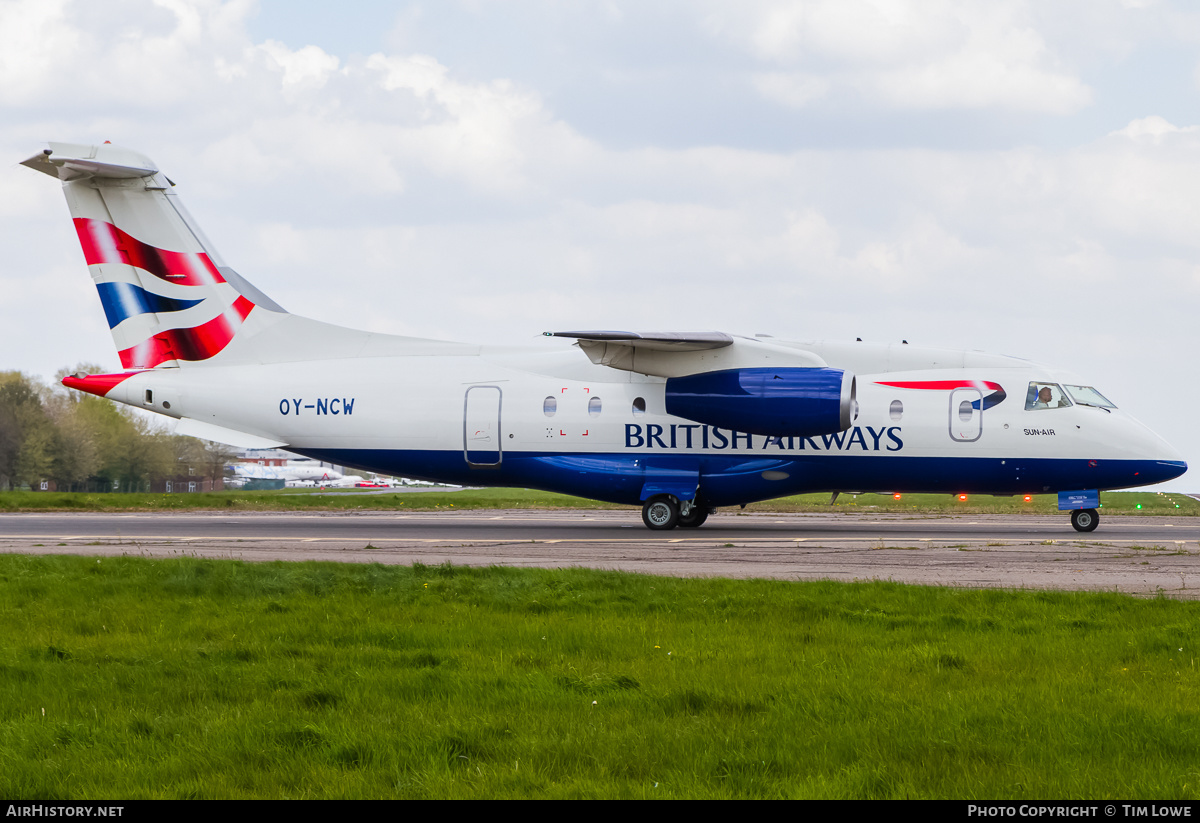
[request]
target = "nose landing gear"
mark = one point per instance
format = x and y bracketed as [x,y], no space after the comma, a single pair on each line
[1085,520]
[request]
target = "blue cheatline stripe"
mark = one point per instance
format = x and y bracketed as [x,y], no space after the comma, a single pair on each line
[729,480]
[124,300]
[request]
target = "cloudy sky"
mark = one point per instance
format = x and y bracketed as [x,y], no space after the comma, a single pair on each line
[1017,177]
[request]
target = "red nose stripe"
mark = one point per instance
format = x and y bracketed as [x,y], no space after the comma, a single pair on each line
[939,385]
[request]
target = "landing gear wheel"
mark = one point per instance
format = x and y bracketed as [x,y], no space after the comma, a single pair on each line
[693,519]
[660,513]
[1085,520]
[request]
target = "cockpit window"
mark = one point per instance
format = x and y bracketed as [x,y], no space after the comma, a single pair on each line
[1087,396]
[1045,396]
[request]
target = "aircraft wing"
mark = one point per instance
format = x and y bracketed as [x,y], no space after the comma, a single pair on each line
[654,341]
[677,354]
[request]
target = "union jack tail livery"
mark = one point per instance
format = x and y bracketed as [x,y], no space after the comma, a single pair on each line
[169,298]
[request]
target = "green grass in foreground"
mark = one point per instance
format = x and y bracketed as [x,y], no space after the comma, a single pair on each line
[128,678]
[1112,503]
[348,500]
[295,500]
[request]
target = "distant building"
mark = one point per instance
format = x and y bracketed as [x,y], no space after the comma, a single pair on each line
[182,484]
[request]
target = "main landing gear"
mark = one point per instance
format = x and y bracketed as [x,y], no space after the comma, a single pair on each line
[1085,520]
[664,511]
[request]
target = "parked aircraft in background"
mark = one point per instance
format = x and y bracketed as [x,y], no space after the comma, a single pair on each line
[315,474]
[348,481]
[677,422]
[298,475]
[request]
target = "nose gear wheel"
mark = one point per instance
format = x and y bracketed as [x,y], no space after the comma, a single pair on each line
[1085,520]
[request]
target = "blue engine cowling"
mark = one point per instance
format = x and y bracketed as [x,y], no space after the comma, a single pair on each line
[777,402]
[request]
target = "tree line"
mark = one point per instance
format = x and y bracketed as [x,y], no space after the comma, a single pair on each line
[80,442]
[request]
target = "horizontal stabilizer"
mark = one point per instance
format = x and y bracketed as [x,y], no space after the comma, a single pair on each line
[74,161]
[220,434]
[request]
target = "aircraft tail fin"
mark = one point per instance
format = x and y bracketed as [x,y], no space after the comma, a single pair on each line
[169,298]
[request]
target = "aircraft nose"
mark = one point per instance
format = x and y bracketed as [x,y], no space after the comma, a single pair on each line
[1164,470]
[1158,460]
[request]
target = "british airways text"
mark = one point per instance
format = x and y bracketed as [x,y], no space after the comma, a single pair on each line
[697,436]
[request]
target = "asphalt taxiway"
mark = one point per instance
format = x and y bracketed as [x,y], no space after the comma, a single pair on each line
[1135,555]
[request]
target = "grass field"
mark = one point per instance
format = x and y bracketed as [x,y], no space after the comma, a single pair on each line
[128,678]
[349,500]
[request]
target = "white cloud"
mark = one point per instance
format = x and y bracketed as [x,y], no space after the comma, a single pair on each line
[909,54]
[795,89]
[1150,129]
[867,31]
[991,69]
[475,130]
[308,66]
[1138,185]
[267,111]
[131,52]
[33,39]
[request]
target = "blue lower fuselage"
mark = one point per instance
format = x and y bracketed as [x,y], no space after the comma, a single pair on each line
[729,480]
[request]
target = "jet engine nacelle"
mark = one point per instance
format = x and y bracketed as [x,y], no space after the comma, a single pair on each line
[775,402]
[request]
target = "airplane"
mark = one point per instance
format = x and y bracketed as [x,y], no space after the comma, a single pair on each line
[679,423]
[308,473]
[348,481]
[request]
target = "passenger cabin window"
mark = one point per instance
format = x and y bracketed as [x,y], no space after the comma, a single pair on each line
[1087,396]
[1045,396]
[639,406]
[550,406]
[594,407]
[897,410]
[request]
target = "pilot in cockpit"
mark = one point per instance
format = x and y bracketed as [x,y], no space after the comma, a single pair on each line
[1045,396]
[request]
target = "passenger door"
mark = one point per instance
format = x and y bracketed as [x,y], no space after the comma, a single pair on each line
[482,447]
[966,415]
